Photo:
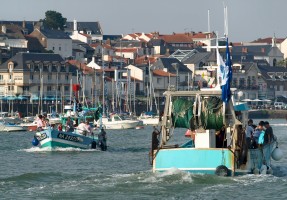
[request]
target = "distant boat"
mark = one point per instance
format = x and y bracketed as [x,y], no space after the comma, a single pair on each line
[11,127]
[117,122]
[149,118]
[54,118]
[29,126]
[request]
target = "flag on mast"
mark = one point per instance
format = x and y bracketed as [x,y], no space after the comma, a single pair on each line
[225,74]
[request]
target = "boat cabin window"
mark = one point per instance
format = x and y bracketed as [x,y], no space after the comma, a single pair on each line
[117,118]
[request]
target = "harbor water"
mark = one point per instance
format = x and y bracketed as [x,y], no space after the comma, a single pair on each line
[123,172]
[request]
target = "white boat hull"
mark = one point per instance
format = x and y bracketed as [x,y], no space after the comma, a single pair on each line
[121,125]
[11,128]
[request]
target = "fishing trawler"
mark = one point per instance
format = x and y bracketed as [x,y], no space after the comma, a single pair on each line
[215,125]
[53,138]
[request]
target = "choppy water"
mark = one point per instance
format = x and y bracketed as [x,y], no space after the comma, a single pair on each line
[123,172]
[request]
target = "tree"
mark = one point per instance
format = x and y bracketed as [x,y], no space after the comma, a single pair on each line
[54,20]
[282,63]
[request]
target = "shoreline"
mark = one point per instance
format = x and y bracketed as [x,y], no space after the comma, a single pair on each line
[274,114]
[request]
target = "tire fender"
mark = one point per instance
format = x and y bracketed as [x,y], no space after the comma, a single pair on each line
[221,170]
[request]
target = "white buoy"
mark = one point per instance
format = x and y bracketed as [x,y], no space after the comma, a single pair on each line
[263,169]
[276,154]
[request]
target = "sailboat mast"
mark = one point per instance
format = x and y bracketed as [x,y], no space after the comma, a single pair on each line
[103,67]
[150,87]
[134,94]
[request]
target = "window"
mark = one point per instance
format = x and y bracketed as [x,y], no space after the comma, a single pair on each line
[31,76]
[49,88]
[59,48]
[53,48]
[10,68]
[11,88]
[1,77]
[26,88]
[67,77]
[49,76]
[158,80]
[32,68]
[50,68]
[67,88]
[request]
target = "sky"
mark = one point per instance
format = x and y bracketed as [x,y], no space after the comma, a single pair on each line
[248,20]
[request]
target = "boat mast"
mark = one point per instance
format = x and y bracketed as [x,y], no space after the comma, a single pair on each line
[103,68]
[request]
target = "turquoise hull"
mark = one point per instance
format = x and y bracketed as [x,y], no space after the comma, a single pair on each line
[207,160]
[193,160]
[53,138]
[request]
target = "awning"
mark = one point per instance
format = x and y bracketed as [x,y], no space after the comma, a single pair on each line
[266,100]
[11,98]
[22,98]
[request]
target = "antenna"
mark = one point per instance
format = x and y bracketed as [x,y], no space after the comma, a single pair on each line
[225,22]
[208,21]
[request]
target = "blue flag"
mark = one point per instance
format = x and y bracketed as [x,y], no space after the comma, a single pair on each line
[226,74]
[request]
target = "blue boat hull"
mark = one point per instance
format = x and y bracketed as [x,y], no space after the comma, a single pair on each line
[54,138]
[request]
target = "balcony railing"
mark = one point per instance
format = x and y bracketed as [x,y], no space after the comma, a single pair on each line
[52,81]
[244,87]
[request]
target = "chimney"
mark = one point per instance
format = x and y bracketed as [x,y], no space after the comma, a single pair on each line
[24,24]
[4,29]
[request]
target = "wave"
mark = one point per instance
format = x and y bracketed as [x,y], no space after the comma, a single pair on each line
[57,149]
[278,124]
[31,176]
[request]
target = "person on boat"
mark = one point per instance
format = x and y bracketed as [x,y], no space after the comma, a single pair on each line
[40,124]
[69,125]
[269,136]
[60,127]
[88,128]
[102,137]
[257,134]
[47,122]
[220,138]
[82,128]
[155,140]
[248,132]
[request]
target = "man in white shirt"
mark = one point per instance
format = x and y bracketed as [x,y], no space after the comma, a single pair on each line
[82,128]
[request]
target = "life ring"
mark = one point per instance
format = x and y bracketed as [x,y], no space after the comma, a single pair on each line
[221,170]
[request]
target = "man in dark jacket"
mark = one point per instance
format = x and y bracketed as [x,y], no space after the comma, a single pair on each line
[268,137]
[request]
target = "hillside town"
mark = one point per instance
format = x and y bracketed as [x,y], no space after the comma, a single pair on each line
[38,63]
